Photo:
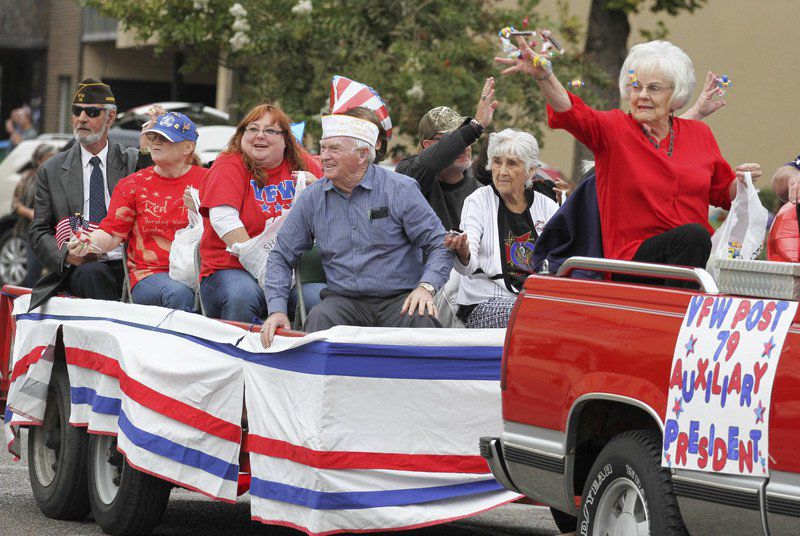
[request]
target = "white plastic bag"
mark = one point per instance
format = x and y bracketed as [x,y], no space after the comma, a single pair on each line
[741,235]
[253,253]
[182,253]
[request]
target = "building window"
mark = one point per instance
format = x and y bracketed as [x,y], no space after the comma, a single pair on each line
[64,103]
[96,27]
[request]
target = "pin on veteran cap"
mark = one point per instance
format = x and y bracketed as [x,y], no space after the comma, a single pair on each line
[93,91]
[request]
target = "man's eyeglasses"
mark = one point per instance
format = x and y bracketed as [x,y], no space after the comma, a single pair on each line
[652,89]
[91,111]
[269,132]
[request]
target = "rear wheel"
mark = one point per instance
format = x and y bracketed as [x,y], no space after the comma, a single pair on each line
[57,455]
[628,493]
[13,258]
[124,500]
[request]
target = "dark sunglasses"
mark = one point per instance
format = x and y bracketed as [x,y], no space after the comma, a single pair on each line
[91,111]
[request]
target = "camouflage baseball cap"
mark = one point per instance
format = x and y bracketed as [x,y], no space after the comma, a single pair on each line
[440,119]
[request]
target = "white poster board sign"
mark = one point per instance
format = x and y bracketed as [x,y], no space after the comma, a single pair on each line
[720,384]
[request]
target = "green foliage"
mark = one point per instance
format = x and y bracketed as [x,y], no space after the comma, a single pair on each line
[672,7]
[444,47]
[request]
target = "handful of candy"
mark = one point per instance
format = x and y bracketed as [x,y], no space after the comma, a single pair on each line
[550,47]
[723,83]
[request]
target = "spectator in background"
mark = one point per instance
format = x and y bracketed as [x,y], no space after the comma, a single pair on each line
[252,181]
[22,205]
[19,126]
[442,166]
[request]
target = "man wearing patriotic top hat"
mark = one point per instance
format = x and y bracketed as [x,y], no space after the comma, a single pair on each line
[381,244]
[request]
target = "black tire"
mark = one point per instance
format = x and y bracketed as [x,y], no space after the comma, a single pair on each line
[57,455]
[565,522]
[13,258]
[135,505]
[627,485]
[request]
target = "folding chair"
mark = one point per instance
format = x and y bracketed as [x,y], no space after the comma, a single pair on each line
[198,301]
[308,270]
[126,297]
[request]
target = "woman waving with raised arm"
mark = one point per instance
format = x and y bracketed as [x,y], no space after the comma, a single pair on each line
[656,173]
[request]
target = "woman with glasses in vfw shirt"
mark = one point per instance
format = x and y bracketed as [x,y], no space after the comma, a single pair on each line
[252,181]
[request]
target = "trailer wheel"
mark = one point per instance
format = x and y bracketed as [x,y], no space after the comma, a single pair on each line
[57,455]
[564,521]
[628,493]
[124,500]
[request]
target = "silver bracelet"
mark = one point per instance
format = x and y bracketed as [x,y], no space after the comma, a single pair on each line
[540,78]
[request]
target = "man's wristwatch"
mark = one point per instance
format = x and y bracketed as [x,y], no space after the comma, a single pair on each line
[428,287]
[477,126]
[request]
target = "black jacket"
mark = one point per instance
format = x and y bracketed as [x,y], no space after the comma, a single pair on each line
[446,200]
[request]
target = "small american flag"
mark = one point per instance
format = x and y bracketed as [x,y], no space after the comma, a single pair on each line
[74,224]
[347,94]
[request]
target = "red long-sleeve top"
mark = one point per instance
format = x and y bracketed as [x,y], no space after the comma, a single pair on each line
[641,192]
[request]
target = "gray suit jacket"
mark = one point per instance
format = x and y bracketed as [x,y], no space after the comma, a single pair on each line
[59,194]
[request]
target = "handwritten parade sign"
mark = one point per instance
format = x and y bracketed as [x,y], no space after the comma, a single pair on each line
[720,384]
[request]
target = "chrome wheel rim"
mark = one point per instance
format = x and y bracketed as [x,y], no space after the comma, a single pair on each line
[107,468]
[47,439]
[621,511]
[13,261]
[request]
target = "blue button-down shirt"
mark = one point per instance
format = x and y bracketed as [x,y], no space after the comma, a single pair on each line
[372,242]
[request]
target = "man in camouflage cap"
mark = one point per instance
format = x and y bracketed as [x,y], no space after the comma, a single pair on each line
[442,166]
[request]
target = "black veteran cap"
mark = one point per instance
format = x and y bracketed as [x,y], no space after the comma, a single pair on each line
[93,91]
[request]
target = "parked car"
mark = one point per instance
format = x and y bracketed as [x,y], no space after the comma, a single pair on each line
[13,249]
[129,123]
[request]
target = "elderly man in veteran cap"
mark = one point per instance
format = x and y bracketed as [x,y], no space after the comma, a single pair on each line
[373,229]
[76,185]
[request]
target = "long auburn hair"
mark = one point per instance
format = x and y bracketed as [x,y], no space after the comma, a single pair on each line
[292,152]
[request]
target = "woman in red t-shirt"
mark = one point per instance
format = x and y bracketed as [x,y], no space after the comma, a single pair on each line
[656,174]
[147,208]
[252,181]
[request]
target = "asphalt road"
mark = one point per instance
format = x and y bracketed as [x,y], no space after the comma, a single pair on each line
[192,514]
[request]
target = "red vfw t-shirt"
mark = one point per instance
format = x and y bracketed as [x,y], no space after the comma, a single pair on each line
[229,183]
[146,209]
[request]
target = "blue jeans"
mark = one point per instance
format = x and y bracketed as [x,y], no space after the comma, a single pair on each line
[159,289]
[233,294]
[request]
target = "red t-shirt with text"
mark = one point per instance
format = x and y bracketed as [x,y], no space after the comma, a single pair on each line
[229,183]
[146,209]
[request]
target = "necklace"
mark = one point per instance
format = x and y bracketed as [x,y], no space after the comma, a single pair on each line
[655,143]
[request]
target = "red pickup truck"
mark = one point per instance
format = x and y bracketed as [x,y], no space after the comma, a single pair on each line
[585,375]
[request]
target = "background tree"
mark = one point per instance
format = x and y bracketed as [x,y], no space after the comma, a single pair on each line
[607,45]
[416,53]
